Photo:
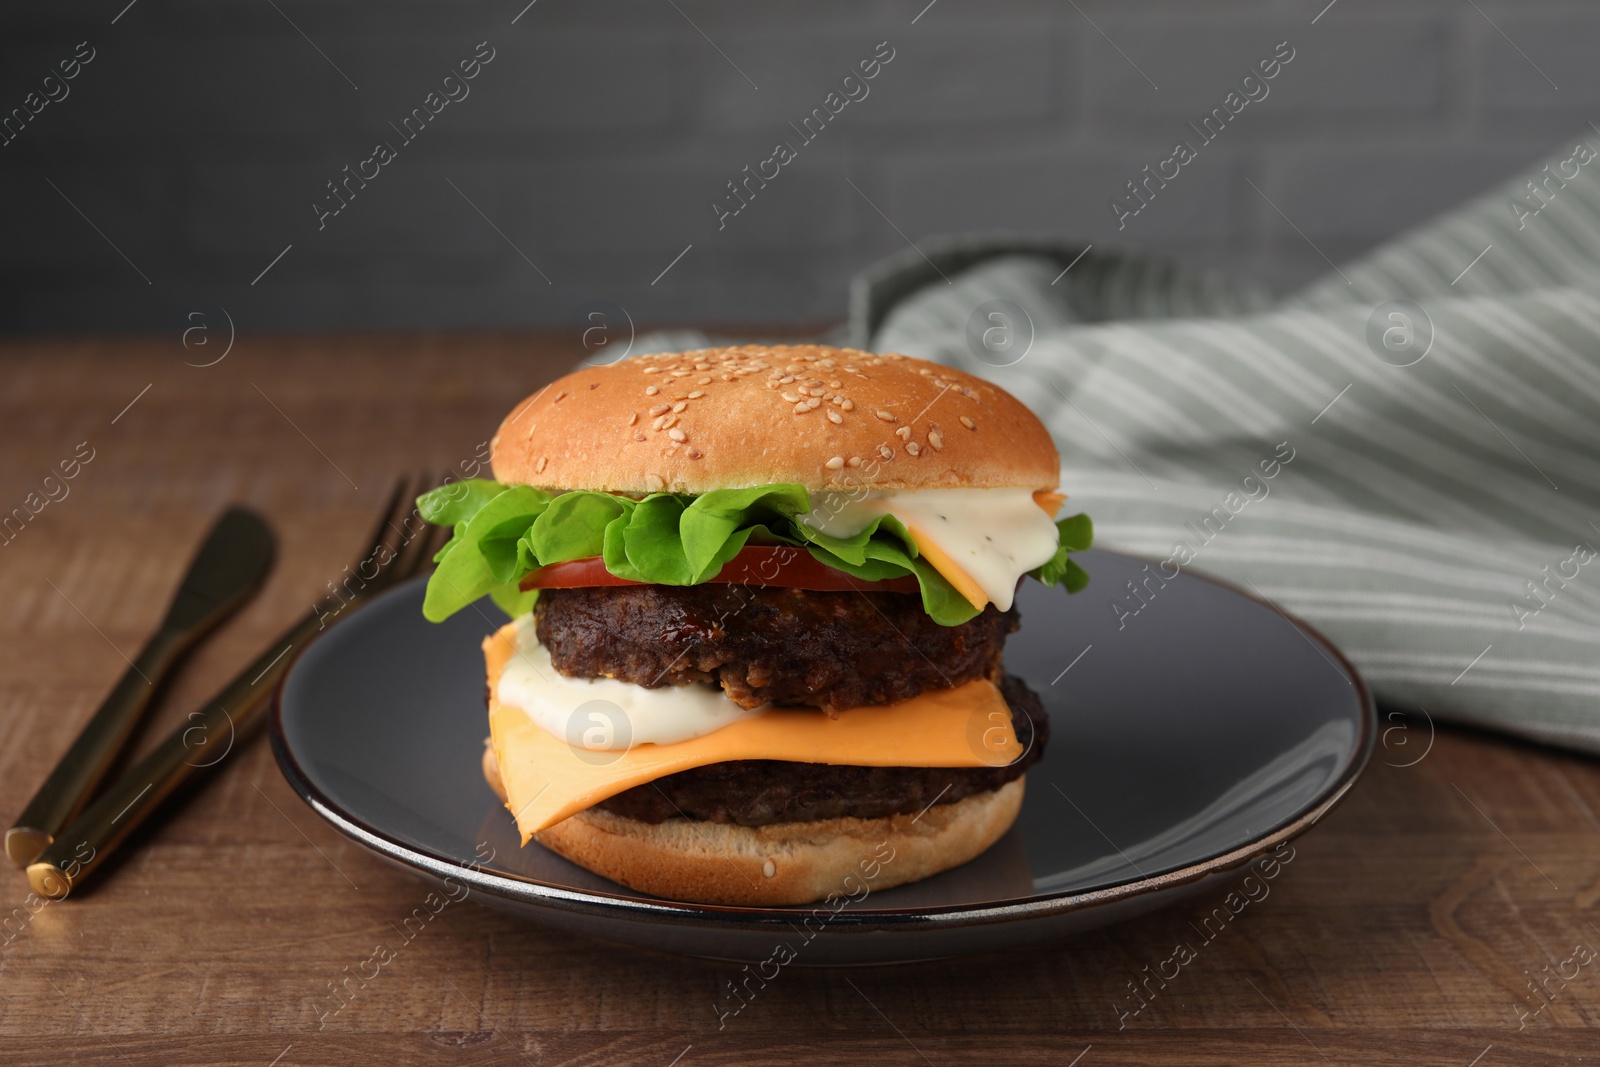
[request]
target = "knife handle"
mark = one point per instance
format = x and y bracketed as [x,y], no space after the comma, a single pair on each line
[65,793]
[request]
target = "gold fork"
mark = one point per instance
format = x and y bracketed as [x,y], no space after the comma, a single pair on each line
[402,546]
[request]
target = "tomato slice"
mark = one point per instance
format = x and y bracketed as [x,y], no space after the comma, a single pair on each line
[778,565]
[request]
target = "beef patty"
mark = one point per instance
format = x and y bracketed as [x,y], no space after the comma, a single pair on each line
[759,792]
[766,644]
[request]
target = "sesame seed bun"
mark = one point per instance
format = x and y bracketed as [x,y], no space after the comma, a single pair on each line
[819,416]
[784,863]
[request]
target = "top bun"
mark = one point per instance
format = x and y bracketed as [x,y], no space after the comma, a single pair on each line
[726,418]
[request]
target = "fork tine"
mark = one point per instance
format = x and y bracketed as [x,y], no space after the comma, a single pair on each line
[380,533]
[416,545]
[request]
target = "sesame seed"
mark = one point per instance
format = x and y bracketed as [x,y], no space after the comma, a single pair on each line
[680,406]
[681,373]
[669,421]
[904,433]
[652,370]
[885,451]
[638,437]
[924,370]
[786,379]
[935,440]
[834,384]
[695,453]
[677,435]
[968,423]
[853,461]
[702,366]
[697,394]
[801,408]
[885,416]
[835,418]
[913,447]
[655,481]
[836,463]
[705,381]
[651,390]
[813,404]
[538,468]
[793,398]
[661,409]
[560,397]
[847,404]
[633,417]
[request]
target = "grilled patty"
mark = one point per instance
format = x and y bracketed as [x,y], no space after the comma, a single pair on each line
[759,792]
[765,644]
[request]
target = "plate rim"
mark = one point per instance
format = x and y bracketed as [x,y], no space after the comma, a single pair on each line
[623,907]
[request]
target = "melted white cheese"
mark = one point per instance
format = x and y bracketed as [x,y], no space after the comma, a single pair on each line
[603,714]
[994,535]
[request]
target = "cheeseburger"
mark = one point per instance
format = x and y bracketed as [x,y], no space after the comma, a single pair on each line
[758,599]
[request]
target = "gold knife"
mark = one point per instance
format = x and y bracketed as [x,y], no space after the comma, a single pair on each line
[225,573]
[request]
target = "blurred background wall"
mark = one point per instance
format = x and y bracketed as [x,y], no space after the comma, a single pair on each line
[180,169]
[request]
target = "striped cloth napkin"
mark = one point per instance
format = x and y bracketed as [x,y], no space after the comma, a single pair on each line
[1406,453]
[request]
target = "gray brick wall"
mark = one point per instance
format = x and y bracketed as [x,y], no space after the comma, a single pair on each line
[586,155]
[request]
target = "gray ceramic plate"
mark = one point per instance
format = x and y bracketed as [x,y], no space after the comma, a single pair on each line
[1197,736]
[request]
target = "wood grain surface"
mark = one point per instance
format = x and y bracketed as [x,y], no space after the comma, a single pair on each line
[1405,931]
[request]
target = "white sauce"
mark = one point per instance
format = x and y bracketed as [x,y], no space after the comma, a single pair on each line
[603,714]
[995,535]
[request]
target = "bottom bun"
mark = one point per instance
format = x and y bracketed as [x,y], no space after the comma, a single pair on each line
[782,863]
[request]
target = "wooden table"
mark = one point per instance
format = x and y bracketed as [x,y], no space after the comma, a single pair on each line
[1405,931]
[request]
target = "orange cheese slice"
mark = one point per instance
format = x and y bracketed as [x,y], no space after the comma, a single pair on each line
[941,561]
[547,780]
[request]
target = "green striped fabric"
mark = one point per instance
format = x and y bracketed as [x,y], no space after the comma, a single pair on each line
[1434,487]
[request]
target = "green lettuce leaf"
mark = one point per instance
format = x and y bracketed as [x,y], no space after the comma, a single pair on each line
[854,549]
[573,527]
[653,542]
[504,533]
[718,518]
[884,549]
[455,502]
[1077,534]
[483,555]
